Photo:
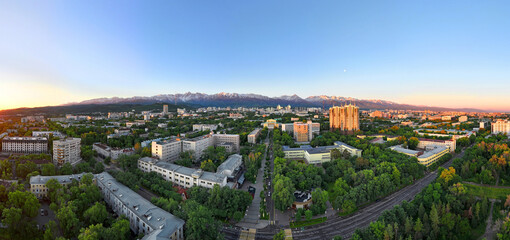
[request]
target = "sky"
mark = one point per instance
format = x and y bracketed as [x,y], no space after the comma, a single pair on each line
[436,53]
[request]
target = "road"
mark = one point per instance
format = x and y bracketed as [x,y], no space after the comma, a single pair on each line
[345,226]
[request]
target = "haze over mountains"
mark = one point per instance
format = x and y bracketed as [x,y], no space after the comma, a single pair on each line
[255,100]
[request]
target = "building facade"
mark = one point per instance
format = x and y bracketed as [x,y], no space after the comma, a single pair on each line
[252,137]
[38,183]
[301,132]
[167,150]
[432,143]
[500,126]
[344,119]
[67,150]
[182,176]
[27,145]
[144,217]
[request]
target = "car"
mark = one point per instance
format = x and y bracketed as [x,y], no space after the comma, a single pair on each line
[269,194]
[42,212]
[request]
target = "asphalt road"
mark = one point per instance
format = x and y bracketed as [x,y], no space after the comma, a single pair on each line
[345,226]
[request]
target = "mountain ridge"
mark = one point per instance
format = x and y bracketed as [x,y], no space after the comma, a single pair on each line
[224,99]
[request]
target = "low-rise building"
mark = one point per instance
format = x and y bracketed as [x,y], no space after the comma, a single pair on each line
[428,157]
[182,176]
[38,183]
[47,134]
[221,139]
[204,127]
[229,166]
[105,151]
[319,154]
[143,216]
[27,145]
[432,143]
[271,124]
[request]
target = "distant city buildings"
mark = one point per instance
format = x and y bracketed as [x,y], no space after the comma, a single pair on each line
[204,127]
[28,145]
[47,134]
[105,151]
[463,119]
[344,119]
[501,126]
[66,151]
[271,124]
[165,109]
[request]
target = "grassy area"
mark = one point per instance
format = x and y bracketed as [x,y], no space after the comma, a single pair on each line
[490,192]
[305,223]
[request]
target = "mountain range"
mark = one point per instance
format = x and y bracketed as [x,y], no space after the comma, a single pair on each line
[256,100]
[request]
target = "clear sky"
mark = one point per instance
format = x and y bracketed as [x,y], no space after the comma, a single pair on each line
[439,53]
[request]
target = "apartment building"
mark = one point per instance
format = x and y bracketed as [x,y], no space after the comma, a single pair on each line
[197,145]
[252,137]
[27,145]
[105,151]
[231,139]
[501,126]
[345,118]
[167,150]
[182,176]
[66,151]
[144,217]
[204,127]
[38,183]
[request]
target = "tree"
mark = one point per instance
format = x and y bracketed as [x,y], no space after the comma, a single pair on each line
[51,230]
[66,169]
[54,189]
[119,229]
[92,232]
[99,167]
[412,143]
[279,236]
[283,194]
[25,201]
[418,227]
[201,224]
[69,222]
[208,166]
[299,215]
[48,169]
[11,217]
[96,214]
[348,206]
[319,199]
[308,215]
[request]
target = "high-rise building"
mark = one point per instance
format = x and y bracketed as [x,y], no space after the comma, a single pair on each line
[165,109]
[501,126]
[66,151]
[345,119]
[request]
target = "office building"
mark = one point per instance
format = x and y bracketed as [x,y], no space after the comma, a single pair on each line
[66,151]
[197,145]
[301,132]
[28,145]
[319,154]
[227,139]
[105,151]
[427,157]
[252,137]
[501,126]
[344,119]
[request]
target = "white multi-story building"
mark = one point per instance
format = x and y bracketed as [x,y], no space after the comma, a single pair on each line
[252,137]
[47,134]
[426,158]
[197,145]
[167,150]
[501,126]
[463,118]
[432,143]
[105,151]
[233,139]
[25,144]
[204,127]
[66,151]
[319,154]
[182,176]
[144,217]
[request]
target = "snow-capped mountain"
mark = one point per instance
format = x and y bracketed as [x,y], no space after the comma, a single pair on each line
[255,100]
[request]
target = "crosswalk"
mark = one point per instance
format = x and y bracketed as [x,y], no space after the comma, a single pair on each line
[248,234]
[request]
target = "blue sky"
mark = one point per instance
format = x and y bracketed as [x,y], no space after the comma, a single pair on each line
[441,53]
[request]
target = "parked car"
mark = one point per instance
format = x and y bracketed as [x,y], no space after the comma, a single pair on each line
[42,212]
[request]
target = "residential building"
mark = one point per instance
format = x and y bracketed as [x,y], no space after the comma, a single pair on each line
[66,150]
[232,139]
[167,150]
[144,217]
[197,145]
[344,119]
[501,126]
[165,109]
[25,145]
[252,137]
[204,127]
[463,118]
[38,183]
[105,151]
[182,176]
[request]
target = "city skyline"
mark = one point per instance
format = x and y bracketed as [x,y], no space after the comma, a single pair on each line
[444,54]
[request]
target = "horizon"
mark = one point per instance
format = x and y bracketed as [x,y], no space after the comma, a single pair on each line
[450,55]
